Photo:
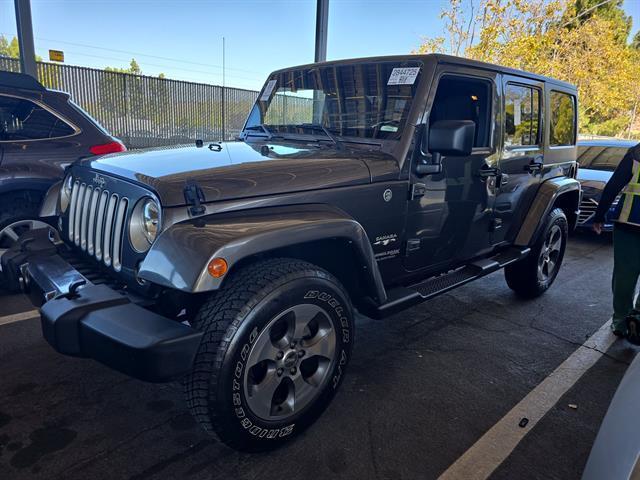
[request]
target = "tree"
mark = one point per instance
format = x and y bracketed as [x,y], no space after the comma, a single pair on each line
[545,37]
[635,43]
[584,10]
[12,48]
[134,68]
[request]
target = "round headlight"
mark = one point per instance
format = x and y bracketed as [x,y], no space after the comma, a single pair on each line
[65,193]
[150,219]
[145,224]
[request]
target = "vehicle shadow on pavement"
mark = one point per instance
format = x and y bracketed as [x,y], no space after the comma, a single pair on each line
[422,387]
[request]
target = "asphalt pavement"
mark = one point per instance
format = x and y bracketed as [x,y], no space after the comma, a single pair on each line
[422,388]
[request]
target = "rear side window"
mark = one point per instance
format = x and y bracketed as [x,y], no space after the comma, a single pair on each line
[562,129]
[522,116]
[22,119]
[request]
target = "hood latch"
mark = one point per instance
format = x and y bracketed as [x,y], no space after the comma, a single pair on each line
[194,196]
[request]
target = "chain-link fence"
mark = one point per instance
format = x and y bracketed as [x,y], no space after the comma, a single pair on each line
[148,111]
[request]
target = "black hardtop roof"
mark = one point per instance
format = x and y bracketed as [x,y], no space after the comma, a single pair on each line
[20,80]
[446,59]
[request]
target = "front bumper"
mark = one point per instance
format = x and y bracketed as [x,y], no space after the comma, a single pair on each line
[82,319]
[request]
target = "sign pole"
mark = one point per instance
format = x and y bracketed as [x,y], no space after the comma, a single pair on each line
[322,24]
[25,38]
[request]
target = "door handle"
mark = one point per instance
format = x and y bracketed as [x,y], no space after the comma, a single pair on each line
[535,165]
[486,171]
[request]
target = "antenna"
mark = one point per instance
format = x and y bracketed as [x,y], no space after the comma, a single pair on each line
[224,133]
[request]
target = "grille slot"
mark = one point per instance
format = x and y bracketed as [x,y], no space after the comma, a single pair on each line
[118,227]
[92,221]
[104,197]
[588,209]
[76,223]
[108,228]
[72,208]
[85,216]
[97,223]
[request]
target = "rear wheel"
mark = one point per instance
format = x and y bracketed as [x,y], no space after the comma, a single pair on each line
[19,215]
[277,339]
[532,276]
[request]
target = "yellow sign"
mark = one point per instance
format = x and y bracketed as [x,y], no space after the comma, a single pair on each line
[56,55]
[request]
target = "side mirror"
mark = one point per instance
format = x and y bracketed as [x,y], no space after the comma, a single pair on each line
[453,138]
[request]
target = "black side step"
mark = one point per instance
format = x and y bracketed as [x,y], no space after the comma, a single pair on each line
[400,298]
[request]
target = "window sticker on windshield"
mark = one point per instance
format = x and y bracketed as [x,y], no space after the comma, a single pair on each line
[267,90]
[403,76]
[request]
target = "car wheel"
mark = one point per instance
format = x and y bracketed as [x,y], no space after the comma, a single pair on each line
[277,339]
[19,216]
[532,276]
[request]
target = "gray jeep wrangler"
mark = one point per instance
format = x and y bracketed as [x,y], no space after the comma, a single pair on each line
[368,185]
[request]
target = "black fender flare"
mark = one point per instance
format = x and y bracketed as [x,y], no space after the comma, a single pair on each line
[179,257]
[546,198]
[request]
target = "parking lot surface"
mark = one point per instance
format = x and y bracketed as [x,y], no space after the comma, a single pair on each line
[422,388]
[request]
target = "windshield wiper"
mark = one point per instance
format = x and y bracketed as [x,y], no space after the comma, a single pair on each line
[262,127]
[327,132]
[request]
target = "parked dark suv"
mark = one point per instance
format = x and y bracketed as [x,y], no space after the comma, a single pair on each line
[370,184]
[41,132]
[598,158]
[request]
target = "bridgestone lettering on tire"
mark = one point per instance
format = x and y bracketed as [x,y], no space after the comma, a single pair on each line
[277,340]
[532,276]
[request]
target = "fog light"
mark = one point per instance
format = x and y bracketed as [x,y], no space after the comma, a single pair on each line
[217,267]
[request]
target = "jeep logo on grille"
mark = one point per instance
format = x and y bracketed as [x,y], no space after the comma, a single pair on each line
[99,180]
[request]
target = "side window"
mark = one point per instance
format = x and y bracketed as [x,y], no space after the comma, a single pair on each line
[522,116]
[22,119]
[562,128]
[460,98]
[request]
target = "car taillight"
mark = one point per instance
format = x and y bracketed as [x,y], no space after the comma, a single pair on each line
[111,147]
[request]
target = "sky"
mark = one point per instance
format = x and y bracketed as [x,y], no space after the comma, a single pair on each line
[183,39]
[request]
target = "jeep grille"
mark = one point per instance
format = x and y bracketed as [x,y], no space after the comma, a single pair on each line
[96,223]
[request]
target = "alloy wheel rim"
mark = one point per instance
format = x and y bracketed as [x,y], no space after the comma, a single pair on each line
[289,363]
[550,254]
[10,234]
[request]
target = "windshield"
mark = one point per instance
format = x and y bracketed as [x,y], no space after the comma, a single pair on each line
[369,100]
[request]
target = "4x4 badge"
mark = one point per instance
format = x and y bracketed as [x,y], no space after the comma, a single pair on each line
[387,195]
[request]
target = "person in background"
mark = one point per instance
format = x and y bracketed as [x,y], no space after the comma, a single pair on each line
[626,235]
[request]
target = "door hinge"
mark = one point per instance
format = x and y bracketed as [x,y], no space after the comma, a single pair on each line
[413,244]
[418,190]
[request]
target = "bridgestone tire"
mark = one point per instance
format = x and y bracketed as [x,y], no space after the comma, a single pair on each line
[232,319]
[523,277]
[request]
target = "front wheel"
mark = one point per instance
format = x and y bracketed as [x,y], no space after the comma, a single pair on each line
[532,276]
[277,339]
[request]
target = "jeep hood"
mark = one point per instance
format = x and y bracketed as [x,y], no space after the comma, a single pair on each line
[239,169]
